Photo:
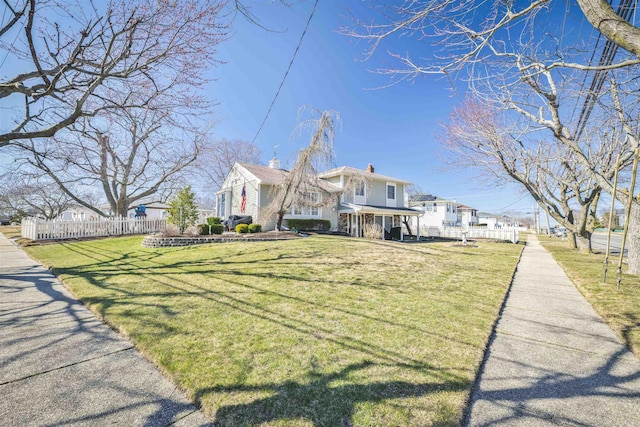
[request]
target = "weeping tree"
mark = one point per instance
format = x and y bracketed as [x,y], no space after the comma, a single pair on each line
[301,183]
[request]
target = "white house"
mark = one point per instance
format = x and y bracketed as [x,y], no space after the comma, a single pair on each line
[467,216]
[153,210]
[375,199]
[435,212]
[491,221]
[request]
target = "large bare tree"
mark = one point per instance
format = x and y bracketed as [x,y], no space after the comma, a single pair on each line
[132,155]
[477,136]
[216,159]
[67,60]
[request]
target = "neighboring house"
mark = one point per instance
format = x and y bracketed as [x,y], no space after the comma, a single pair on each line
[159,210]
[154,210]
[78,213]
[467,216]
[435,212]
[377,199]
[491,221]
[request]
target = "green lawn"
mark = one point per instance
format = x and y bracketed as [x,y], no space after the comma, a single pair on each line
[619,308]
[321,331]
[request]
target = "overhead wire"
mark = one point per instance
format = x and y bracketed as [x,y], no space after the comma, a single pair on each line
[626,8]
[295,52]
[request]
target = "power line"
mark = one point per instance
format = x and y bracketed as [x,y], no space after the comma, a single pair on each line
[286,72]
[625,11]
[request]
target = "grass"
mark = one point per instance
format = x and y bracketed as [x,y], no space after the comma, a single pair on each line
[321,331]
[619,308]
[11,231]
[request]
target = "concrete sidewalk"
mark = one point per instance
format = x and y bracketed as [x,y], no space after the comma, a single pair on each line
[59,365]
[553,361]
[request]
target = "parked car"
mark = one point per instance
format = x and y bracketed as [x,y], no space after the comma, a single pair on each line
[561,232]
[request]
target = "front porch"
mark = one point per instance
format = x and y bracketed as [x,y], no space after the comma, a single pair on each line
[362,220]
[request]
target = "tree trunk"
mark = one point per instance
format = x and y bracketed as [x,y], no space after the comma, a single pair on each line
[405,220]
[584,242]
[602,16]
[571,239]
[279,220]
[633,240]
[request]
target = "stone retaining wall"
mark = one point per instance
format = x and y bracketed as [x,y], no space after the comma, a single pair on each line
[168,242]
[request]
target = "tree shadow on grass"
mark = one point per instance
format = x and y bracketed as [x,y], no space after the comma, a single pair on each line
[320,403]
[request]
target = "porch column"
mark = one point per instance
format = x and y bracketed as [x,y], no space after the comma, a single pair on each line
[418,231]
[383,217]
[401,233]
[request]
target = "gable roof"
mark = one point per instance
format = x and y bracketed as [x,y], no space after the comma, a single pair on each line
[272,176]
[348,170]
[423,198]
[465,207]
[265,174]
[488,215]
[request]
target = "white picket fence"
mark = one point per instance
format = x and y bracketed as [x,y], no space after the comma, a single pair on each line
[40,229]
[505,234]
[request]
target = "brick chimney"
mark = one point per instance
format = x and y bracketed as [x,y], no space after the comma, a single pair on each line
[369,168]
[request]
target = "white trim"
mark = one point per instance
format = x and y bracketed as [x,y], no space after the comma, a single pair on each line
[257,218]
[360,200]
[391,202]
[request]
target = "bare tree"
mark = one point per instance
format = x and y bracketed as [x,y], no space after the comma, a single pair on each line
[302,180]
[40,198]
[72,58]
[460,39]
[549,172]
[216,159]
[131,154]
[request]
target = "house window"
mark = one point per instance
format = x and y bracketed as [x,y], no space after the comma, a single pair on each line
[310,199]
[359,190]
[391,192]
[221,205]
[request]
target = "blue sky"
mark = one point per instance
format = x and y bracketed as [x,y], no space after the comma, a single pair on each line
[393,128]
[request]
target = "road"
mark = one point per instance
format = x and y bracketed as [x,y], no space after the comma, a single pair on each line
[599,242]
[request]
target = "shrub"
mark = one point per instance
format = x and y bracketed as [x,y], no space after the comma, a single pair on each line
[309,224]
[242,228]
[255,228]
[170,230]
[217,229]
[204,229]
[192,230]
[214,220]
[372,231]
